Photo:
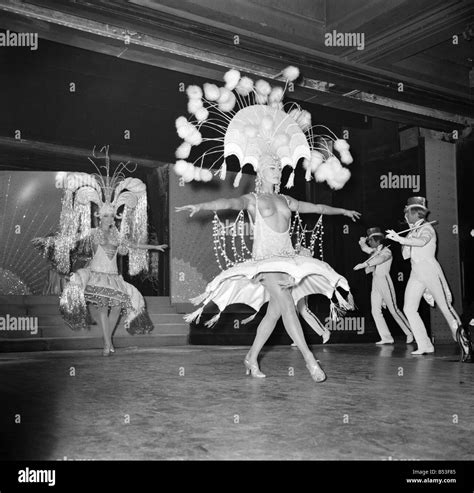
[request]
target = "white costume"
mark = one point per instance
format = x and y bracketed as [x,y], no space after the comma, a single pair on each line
[426,279]
[251,122]
[272,252]
[383,293]
[99,282]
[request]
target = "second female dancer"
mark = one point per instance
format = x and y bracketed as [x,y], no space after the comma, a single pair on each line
[98,287]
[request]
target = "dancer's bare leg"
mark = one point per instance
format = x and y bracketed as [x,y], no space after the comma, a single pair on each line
[264,330]
[274,283]
[277,285]
[114,315]
[100,315]
[288,311]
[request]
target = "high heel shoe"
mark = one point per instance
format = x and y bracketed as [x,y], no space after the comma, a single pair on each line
[326,336]
[463,338]
[108,349]
[253,369]
[316,372]
[112,349]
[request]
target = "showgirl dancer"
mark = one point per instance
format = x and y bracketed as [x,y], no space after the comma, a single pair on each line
[267,137]
[427,279]
[99,285]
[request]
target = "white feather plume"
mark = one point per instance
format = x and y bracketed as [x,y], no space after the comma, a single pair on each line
[224,95]
[181,166]
[194,105]
[202,114]
[229,104]
[323,172]
[206,175]
[346,157]
[180,121]
[184,131]
[245,86]
[188,175]
[316,160]
[341,145]
[276,95]
[263,87]
[194,92]
[211,92]
[339,178]
[183,151]
[197,174]
[304,120]
[291,73]
[231,78]
[194,138]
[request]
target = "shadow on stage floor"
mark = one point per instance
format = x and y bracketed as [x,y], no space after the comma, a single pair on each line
[195,402]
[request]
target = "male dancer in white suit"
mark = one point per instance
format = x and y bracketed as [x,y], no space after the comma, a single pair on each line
[427,279]
[383,292]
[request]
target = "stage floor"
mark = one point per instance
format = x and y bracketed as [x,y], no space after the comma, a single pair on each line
[195,402]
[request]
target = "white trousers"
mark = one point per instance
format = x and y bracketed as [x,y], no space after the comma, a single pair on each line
[311,319]
[383,293]
[428,275]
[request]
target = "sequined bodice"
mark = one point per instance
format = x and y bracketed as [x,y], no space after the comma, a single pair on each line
[104,260]
[266,241]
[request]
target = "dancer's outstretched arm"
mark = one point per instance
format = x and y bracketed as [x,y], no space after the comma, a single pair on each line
[219,204]
[378,259]
[142,246]
[364,247]
[309,208]
[421,241]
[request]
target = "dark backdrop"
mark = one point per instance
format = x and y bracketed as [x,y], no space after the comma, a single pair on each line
[113,95]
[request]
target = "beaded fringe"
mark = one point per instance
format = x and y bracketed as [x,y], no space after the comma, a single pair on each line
[194,316]
[213,320]
[339,309]
[141,324]
[72,306]
[198,299]
[248,319]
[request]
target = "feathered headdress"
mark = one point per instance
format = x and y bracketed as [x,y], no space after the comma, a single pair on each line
[109,192]
[251,122]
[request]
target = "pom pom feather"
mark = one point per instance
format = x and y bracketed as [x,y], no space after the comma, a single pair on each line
[211,92]
[194,92]
[231,78]
[263,87]
[291,73]
[245,86]
[183,151]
